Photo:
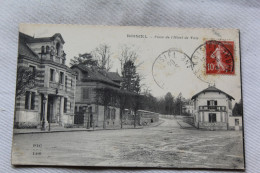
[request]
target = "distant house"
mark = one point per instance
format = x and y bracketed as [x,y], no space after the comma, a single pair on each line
[52,98]
[88,79]
[213,110]
[188,107]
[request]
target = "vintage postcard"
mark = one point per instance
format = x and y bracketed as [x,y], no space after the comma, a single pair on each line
[125,96]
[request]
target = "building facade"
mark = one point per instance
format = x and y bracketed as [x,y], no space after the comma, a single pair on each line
[188,108]
[88,80]
[52,99]
[212,109]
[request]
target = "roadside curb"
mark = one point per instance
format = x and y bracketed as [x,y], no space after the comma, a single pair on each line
[82,130]
[182,127]
[88,130]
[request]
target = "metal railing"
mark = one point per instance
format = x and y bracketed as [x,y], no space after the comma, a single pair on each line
[212,108]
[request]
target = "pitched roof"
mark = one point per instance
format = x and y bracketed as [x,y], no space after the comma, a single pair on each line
[30,39]
[23,48]
[212,89]
[95,74]
[114,76]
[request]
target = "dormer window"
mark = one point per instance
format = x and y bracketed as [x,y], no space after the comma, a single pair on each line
[212,103]
[77,76]
[58,49]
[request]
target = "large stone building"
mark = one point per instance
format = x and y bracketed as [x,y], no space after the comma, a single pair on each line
[212,109]
[88,80]
[52,99]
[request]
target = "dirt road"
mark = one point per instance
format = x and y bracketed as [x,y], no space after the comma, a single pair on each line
[166,145]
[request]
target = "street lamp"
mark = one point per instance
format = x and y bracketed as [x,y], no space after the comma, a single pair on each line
[44,100]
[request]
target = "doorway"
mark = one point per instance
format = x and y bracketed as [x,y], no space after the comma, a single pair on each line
[236,124]
[50,111]
[212,118]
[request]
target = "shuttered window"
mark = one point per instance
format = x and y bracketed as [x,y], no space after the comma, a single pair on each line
[51,74]
[212,103]
[27,99]
[85,93]
[65,105]
[61,77]
[66,81]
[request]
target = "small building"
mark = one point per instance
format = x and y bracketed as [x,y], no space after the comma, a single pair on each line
[212,109]
[188,108]
[89,79]
[52,98]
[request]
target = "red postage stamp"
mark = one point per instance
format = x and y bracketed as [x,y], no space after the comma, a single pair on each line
[219,57]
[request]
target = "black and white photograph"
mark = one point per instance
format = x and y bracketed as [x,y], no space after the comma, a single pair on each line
[128,96]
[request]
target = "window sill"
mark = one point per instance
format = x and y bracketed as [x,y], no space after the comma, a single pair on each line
[29,110]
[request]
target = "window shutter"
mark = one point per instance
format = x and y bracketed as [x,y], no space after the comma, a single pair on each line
[85,93]
[27,97]
[65,105]
[33,100]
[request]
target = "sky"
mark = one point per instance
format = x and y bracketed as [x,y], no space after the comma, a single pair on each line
[165,54]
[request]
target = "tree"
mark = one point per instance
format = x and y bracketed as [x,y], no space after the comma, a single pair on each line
[135,105]
[169,103]
[178,104]
[127,55]
[103,56]
[105,96]
[131,79]
[84,59]
[238,109]
[123,102]
[26,79]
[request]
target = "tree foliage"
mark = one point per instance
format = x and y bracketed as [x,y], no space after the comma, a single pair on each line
[26,79]
[100,57]
[131,79]
[103,56]
[169,103]
[84,59]
[238,109]
[105,96]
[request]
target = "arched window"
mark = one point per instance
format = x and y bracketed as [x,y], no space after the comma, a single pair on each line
[47,49]
[43,50]
[58,48]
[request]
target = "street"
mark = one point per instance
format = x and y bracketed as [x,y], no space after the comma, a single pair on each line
[166,145]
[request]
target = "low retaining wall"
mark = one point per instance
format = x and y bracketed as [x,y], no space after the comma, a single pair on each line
[213,126]
[144,118]
[188,120]
[167,116]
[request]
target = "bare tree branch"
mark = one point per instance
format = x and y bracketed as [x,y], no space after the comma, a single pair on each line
[103,56]
[26,79]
